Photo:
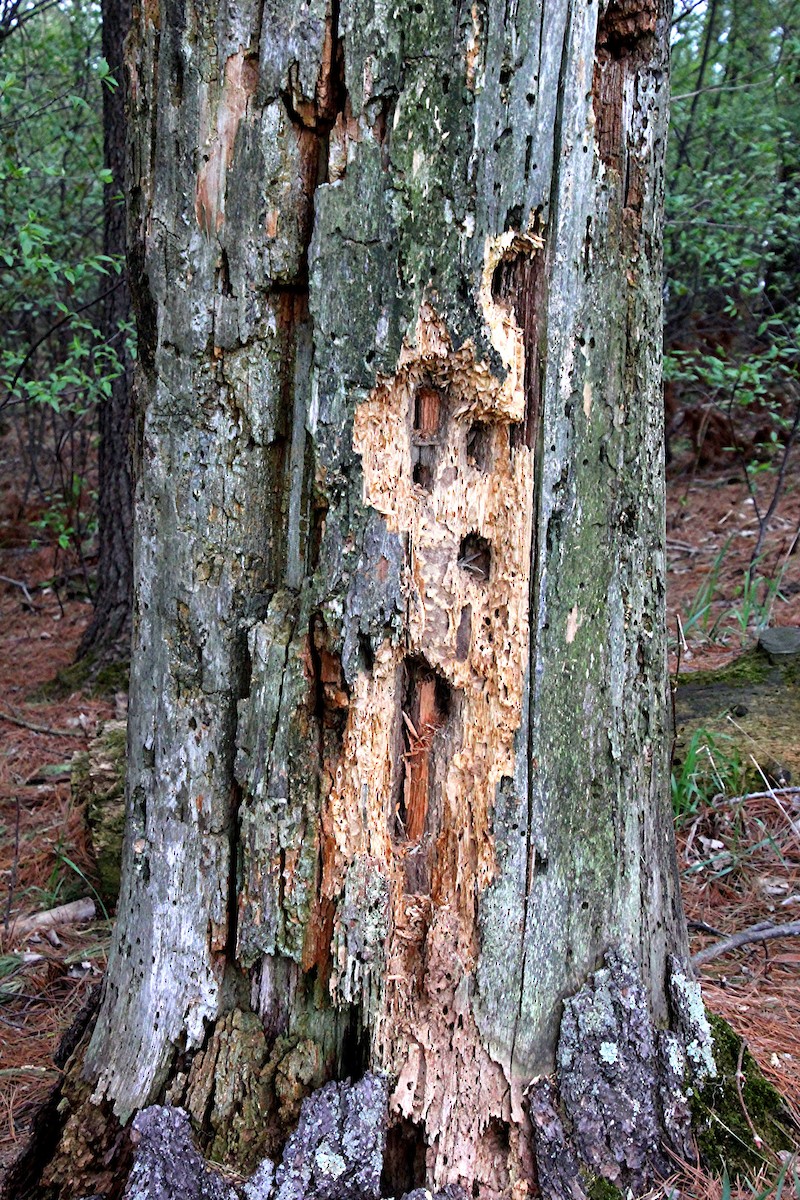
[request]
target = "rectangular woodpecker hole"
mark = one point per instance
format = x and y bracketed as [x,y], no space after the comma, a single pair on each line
[426,707]
[330,692]
[404,1157]
[426,433]
[625,40]
[427,411]
[479,446]
[519,283]
[475,556]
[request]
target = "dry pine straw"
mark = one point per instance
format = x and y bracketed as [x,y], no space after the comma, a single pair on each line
[754,876]
[37,813]
[714,516]
[756,989]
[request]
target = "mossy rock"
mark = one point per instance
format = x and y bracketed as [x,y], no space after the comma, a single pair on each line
[762,696]
[98,781]
[724,1137]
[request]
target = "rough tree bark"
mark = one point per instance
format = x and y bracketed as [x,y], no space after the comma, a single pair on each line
[397,740]
[108,637]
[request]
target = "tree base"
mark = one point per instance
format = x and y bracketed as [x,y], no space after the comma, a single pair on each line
[622,1095]
[625,1095]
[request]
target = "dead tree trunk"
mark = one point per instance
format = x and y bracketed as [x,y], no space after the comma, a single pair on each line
[108,636]
[398,774]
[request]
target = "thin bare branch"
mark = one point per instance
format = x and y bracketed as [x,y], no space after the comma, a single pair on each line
[23,724]
[756,933]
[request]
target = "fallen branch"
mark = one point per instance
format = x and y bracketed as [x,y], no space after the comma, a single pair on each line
[14,720]
[776,791]
[10,1072]
[756,933]
[23,587]
[76,913]
[704,927]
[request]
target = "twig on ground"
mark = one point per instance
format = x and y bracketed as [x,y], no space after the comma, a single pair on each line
[6,1072]
[75,913]
[770,795]
[13,1025]
[15,720]
[703,927]
[23,587]
[691,837]
[761,932]
[739,1077]
[771,792]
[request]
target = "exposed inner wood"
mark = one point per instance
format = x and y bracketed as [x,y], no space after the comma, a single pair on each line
[625,36]
[475,555]
[430,727]
[429,415]
[241,78]
[424,713]
[479,445]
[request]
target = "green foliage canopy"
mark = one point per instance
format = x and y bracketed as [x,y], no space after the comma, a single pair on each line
[732,258]
[55,364]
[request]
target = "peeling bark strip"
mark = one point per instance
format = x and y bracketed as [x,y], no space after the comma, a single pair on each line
[397,731]
[241,77]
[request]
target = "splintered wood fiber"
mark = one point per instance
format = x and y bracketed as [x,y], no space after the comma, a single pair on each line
[430,729]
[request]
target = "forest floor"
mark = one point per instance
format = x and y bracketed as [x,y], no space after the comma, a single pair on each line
[740,860]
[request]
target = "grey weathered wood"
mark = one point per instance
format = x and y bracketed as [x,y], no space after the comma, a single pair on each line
[397,730]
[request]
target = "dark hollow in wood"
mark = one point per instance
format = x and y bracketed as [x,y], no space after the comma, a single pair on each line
[479,446]
[519,282]
[475,556]
[403,1158]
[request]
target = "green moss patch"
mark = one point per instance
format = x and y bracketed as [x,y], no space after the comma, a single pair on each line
[724,1137]
[752,667]
[88,676]
[98,781]
[599,1188]
[753,705]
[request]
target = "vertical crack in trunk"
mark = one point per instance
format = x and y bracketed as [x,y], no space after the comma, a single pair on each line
[519,282]
[311,119]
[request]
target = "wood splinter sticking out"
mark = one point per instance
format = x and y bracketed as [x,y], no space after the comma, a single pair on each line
[426,434]
[426,706]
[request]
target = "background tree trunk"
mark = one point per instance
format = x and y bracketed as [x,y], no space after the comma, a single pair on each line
[397,742]
[108,636]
